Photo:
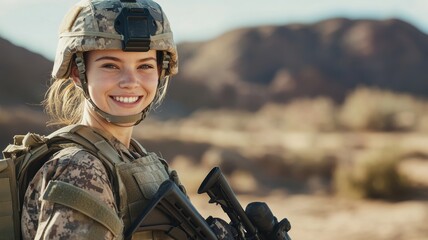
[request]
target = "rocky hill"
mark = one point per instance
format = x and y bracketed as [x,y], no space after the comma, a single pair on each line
[295,172]
[23,75]
[246,68]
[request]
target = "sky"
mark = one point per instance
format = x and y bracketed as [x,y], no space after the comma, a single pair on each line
[33,24]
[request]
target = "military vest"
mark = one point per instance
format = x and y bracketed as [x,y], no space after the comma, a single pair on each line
[135,177]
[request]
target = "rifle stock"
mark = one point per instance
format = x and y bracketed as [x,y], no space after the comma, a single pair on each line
[172,212]
[220,192]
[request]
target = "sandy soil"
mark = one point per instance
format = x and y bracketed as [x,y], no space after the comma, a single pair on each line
[315,216]
[323,217]
[326,218]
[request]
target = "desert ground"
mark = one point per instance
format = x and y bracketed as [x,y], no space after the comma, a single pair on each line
[316,212]
[294,171]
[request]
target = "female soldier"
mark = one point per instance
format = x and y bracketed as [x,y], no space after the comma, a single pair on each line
[112,65]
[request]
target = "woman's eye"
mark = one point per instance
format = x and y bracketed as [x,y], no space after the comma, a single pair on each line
[146,66]
[109,66]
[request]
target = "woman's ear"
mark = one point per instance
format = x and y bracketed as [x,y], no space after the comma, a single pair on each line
[75,75]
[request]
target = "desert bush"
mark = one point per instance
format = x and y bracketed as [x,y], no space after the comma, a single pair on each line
[308,163]
[220,118]
[378,110]
[318,114]
[374,174]
[365,109]
[303,170]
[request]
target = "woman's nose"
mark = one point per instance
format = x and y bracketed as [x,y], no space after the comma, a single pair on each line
[128,79]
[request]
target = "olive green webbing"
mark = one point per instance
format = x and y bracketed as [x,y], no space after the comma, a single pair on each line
[101,144]
[9,213]
[92,140]
[96,142]
[76,198]
[138,147]
[97,231]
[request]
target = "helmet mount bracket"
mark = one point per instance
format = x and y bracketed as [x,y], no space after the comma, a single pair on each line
[136,26]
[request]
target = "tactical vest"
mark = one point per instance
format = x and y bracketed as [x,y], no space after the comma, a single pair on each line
[134,180]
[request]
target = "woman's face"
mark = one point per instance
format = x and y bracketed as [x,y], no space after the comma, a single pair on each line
[122,83]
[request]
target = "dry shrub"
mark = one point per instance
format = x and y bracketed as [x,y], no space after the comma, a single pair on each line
[220,119]
[374,174]
[228,160]
[308,163]
[308,170]
[379,110]
[294,171]
[318,114]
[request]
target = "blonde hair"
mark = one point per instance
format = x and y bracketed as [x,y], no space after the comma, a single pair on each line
[64,102]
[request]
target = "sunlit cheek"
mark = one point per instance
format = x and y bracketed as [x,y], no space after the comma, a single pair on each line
[151,84]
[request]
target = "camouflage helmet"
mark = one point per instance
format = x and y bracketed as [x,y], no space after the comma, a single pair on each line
[95,25]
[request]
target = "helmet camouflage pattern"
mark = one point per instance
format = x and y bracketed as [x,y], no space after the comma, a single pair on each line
[90,25]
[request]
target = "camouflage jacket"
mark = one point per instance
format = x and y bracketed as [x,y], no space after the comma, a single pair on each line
[45,220]
[73,165]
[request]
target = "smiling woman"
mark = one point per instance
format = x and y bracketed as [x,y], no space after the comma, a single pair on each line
[90,179]
[113,63]
[121,83]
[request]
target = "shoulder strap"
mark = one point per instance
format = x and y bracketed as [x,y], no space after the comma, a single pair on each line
[80,200]
[90,139]
[97,143]
[137,146]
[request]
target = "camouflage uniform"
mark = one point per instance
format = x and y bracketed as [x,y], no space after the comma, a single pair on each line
[45,216]
[91,25]
[45,220]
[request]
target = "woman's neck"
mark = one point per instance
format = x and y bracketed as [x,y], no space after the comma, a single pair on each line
[121,133]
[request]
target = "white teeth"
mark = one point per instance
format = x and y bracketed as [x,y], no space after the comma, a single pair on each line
[126,99]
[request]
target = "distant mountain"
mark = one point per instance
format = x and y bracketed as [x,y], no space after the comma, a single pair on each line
[248,67]
[23,75]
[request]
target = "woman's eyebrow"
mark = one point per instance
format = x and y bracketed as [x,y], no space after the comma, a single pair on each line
[119,60]
[108,58]
[147,59]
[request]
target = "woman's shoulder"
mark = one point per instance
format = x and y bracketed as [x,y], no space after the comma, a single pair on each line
[73,163]
[74,155]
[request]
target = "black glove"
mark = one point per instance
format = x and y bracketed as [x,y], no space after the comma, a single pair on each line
[221,229]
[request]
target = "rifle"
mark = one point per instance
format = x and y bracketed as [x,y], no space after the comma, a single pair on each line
[255,223]
[172,212]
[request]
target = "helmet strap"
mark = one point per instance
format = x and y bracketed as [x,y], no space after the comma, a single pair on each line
[165,64]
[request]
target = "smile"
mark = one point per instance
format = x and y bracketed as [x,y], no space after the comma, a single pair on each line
[126,99]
